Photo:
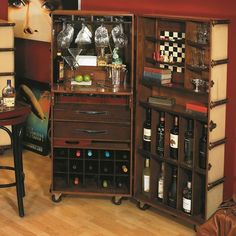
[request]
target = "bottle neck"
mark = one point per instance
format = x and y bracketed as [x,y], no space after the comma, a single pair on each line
[147,163]
[189,185]
[190,125]
[148,114]
[176,121]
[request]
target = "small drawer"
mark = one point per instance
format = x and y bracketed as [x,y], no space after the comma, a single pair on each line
[91,131]
[7,37]
[92,112]
[7,61]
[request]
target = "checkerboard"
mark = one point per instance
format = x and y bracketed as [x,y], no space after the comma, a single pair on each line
[176,49]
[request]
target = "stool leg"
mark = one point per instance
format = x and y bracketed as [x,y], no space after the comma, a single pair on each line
[16,144]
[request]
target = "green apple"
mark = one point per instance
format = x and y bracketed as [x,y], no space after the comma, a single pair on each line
[87,77]
[79,78]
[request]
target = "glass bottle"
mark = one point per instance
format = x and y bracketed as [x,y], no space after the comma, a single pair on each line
[188,143]
[59,68]
[124,169]
[160,136]
[146,177]
[203,148]
[9,95]
[187,198]
[160,184]
[174,136]
[147,131]
[172,191]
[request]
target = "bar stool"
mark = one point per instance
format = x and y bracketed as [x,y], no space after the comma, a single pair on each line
[15,117]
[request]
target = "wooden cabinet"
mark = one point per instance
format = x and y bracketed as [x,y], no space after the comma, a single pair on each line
[7,66]
[193,51]
[92,124]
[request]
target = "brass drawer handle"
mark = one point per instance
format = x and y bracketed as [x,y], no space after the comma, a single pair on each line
[90,131]
[92,112]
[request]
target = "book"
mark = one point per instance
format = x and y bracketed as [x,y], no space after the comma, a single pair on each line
[162,100]
[196,107]
[156,75]
[156,81]
[157,70]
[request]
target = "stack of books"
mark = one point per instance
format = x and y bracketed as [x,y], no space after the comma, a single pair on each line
[157,75]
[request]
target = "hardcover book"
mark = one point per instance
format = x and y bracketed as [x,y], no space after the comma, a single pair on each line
[162,100]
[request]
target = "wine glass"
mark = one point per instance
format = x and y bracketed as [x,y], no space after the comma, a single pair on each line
[72,63]
[75,52]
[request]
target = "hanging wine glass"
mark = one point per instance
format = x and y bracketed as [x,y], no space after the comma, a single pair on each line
[84,36]
[75,52]
[101,39]
[65,36]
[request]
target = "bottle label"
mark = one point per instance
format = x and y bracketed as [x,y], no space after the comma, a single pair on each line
[174,140]
[147,135]
[160,188]
[187,205]
[146,183]
[9,102]
[61,70]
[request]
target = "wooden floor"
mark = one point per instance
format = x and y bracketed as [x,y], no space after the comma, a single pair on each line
[75,215]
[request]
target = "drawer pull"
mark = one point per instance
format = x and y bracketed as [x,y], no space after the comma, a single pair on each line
[90,131]
[92,112]
[72,142]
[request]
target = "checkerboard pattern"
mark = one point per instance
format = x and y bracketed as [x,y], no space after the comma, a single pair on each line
[176,49]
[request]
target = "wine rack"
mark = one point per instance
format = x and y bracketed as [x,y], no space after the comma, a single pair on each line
[92,124]
[195,51]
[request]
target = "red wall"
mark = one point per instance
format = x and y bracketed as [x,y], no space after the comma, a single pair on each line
[33,58]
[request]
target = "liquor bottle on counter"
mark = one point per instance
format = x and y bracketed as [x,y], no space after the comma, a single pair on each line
[147,131]
[203,148]
[172,191]
[59,68]
[188,144]
[160,184]
[9,95]
[160,136]
[174,137]
[187,198]
[146,177]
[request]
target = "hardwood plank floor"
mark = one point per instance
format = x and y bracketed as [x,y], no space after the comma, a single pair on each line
[74,215]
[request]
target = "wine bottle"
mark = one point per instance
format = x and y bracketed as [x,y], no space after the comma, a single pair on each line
[187,198]
[203,148]
[76,181]
[146,177]
[160,136]
[172,191]
[124,168]
[160,184]
[174,136]
[9,95]
[188,143]
[147,131]
[78,153]
[90,153]
[107,154]
[59,68]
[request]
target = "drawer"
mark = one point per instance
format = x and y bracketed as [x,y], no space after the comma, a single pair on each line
[6,41]
[91,131]
[92,112]
[7,61]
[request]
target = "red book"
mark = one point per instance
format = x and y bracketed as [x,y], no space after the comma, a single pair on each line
[198,107]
